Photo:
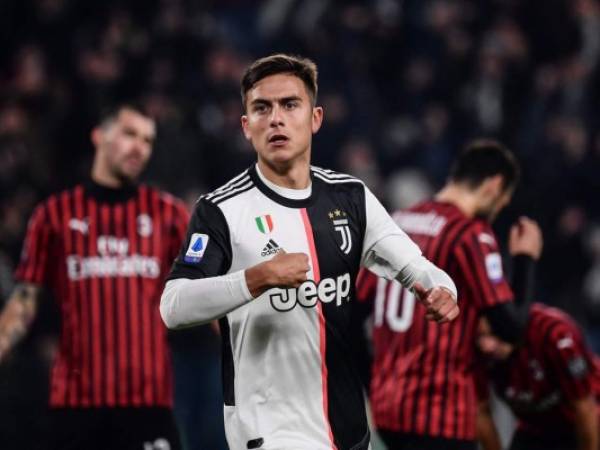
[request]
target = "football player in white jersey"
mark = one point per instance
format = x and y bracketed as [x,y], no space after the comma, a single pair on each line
[274,254]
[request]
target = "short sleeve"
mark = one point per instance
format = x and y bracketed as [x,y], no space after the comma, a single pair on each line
[480,263]
[34,265]
[206,249]
[571,360]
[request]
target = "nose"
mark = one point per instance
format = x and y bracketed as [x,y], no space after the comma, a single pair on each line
[276,117]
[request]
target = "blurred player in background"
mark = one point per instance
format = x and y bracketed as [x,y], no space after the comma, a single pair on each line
[274,254]
[551,382]
[421,390]
[104,248]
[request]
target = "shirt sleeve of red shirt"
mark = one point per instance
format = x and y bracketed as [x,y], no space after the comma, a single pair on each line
[34,265]
[480,263]
[181,218]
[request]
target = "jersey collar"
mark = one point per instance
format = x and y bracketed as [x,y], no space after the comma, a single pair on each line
[278,198]
[106,194]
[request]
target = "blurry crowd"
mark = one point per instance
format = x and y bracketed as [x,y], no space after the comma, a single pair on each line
[404,85]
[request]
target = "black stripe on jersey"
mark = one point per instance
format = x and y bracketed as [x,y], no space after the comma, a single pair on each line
[231,184]
[336,181]
[234,193]
[236,186]
[227,367]
[345,402]
[332,175]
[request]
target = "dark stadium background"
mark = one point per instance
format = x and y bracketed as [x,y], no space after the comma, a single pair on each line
[404,85]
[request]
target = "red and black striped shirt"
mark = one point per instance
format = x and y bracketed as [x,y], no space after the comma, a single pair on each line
[422,379]
[104,254]
[550,369]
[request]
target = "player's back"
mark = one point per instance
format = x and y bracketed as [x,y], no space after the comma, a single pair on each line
[553,367]
[422,381]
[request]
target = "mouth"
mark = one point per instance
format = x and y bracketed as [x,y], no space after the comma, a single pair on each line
[278,139]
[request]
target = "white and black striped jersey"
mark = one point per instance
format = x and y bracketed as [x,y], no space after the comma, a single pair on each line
[288,372]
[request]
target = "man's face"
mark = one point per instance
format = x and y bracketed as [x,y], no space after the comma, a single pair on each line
[495,199]
[125,144]
[280,120]
[491,345]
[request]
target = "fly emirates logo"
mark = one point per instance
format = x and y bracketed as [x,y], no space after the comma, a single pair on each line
[113,260]
[328,290]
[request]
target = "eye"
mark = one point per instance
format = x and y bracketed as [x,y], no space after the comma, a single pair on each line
[260,108]
[291,104]
[129,132]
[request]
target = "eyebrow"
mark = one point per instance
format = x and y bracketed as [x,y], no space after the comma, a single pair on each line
[276,100]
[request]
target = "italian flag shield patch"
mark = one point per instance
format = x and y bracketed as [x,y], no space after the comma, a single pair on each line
[264,223]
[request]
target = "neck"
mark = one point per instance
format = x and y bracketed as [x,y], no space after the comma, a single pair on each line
[104,178]
[296,176]
[459,196]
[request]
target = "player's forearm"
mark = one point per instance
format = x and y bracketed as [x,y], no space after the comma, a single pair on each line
[509,320]
[487,434]
[586,423]
[396,256]
[187,302]
[17,316]
[420,270]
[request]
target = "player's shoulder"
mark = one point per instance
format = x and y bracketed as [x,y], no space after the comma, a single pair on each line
[479,232]
[431,217]
[63,196]
[236,186]
[165,197]
[544,316]
[552,327]
[333,178]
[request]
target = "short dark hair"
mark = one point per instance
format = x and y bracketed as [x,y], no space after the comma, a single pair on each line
[112,111]
[300,67]
[484,158]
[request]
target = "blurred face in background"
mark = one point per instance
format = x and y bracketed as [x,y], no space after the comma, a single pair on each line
[280,120]
[490,345]
[123,146]
[493,196]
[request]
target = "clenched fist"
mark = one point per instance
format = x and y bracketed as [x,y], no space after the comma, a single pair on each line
[525,238]
[440,303]
[284,270]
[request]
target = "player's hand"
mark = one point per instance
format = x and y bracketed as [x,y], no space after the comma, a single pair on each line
[440,303]
[288,269]
[283,270]
[526,238]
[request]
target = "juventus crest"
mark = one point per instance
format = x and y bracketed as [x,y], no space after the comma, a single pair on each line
[340,224]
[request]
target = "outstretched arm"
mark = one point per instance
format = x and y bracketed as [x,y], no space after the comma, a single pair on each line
[17,316]
[390,253]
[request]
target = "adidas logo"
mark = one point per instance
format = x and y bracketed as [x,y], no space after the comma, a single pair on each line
[270,249]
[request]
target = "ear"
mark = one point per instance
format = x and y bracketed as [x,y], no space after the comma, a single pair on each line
[493,185]
[245,129]
[317,118]
[96,136]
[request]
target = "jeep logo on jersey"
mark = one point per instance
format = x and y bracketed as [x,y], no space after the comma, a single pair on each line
[327,290]
[264,223]
[196,249]
[340,224]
